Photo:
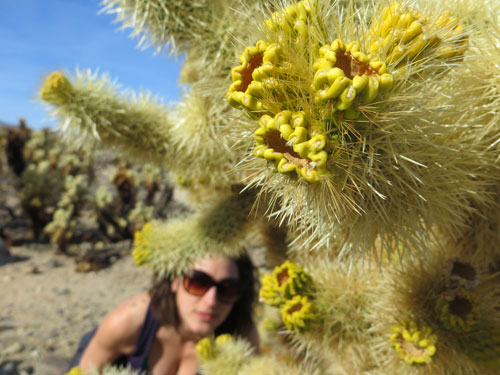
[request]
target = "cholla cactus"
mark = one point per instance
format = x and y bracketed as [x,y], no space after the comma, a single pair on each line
[15,141]
[63,224]
[172,247]
[91,104]
[38,194]
[175,25]
[423,300]
[331,115]
[223,355]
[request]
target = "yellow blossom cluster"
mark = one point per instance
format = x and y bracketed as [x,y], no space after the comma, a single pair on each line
[293,21]
[341,78]
[258,71]
[414,345]
[403,34]
[298,149]
[206,348]
[286,140]
[56,89]
[344,73]
[76,371]
[289,288]
[142,246]
[298,313]
[457,310]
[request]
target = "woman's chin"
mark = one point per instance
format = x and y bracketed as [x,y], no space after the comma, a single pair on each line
[202,329]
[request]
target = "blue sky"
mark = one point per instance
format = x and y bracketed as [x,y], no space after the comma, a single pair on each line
[40,36]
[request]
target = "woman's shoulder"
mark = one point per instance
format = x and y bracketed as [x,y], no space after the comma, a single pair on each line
[124,323]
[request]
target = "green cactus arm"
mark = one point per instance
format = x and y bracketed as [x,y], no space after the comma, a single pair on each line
[91,111]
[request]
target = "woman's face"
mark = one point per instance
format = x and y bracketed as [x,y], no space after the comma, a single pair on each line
[201,315]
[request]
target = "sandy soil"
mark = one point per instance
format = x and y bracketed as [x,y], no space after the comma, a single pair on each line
[45,306]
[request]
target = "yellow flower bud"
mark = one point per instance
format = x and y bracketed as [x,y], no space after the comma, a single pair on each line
[285,141]
[142,244]
[76,371]
[361,78]
[56,89]
[298,314]
[412,344]
[205,349]
[221,339]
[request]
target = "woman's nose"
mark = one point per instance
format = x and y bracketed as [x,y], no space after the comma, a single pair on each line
[210,297]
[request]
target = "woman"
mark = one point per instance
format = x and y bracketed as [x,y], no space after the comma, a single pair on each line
[157,331]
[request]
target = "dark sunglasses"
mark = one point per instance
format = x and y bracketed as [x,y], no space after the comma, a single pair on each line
[198,283]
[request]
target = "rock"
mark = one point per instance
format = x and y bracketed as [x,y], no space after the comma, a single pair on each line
[4,249]
[52,365]
[54,263]
[61,292]
[14,348]
[7,278]
[25,369]
[86,246]
[9,368]
[32,269]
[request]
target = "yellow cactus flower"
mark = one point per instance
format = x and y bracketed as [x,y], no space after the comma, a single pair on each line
[289,142]
[414,345]
[344,73]
[457,310]
[56,89]
[404,35]
[292,21]
[76,371]
[142,245]
[205,349]
[286,281]
[298,313]
[221,339]
[268,292]
[140,256]
[257,72]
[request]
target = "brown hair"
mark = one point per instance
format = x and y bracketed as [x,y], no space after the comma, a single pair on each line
[239,321]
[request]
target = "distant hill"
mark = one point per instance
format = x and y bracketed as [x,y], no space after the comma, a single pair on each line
[5,125]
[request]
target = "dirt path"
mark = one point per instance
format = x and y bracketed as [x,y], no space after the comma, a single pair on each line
[45,306]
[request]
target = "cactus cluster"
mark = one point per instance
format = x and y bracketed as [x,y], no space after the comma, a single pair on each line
[66,200]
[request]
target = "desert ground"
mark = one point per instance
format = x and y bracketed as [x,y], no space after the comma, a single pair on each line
[46,306]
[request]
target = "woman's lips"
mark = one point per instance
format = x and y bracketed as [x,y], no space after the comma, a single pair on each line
[205,316]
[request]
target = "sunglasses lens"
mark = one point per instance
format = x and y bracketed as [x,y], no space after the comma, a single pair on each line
[198,283]
[228,291]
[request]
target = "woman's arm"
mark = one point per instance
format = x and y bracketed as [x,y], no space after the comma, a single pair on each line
[117,334]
